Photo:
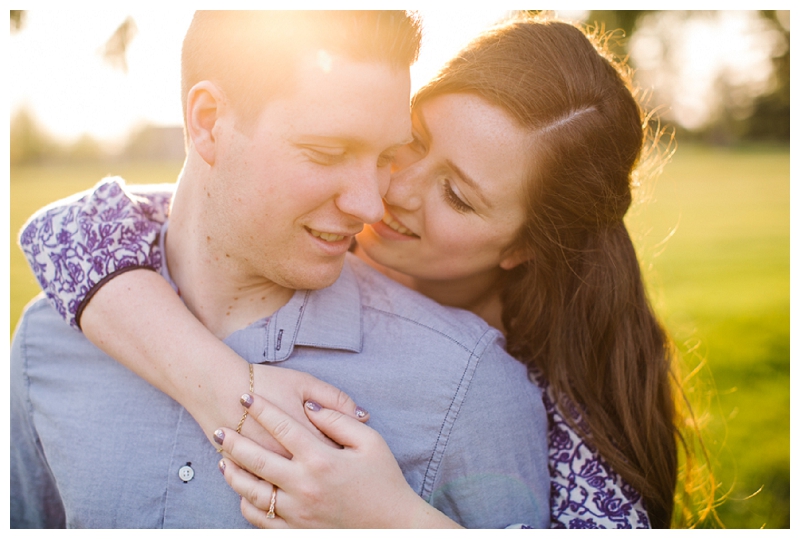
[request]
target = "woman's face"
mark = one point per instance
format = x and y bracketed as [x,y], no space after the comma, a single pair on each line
[454,205]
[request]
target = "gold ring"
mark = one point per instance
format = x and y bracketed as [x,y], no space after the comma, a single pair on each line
[271,512]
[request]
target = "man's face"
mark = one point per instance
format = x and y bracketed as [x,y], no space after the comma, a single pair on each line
[288,193]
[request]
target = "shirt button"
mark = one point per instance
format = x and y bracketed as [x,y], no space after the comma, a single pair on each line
[186,473]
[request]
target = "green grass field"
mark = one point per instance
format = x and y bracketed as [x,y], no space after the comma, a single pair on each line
[720,283]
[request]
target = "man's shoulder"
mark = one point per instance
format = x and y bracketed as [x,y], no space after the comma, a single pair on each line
[384,296]
[42,326]
[42,331]
[40,311]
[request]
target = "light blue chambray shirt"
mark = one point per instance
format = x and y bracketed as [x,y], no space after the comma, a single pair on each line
[94,445]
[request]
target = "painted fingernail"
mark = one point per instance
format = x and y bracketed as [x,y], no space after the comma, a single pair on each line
[313,406]
[246,400]
[222,466]
[360,412]
[219,436]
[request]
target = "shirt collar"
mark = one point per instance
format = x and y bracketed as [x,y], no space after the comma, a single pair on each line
[326,318]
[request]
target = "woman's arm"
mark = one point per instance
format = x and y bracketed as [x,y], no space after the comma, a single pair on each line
[75,244]
[358,485]
[80,250]
[138,319]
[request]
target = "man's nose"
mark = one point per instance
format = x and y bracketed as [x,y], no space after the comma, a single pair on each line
[362,195]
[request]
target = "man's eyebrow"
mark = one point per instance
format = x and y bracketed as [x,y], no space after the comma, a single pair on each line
[351,141]
[475,186]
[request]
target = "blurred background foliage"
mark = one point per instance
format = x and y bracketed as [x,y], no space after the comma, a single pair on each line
[712,231]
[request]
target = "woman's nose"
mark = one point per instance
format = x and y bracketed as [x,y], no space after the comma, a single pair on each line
[407,186]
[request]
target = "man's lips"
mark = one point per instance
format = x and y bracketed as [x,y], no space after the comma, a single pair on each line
[332,237]
[327,236]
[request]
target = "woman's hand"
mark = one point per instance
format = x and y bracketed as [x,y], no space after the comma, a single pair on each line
[358,485]
[137,319]
[289,389]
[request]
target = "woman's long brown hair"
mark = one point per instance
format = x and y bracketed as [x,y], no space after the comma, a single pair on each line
[577,309]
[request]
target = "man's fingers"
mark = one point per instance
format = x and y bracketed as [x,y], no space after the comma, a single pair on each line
[342,429]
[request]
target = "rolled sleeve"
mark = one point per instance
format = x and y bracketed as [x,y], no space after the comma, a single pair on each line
[75,245]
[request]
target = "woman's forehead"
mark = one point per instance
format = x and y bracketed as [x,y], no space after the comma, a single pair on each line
[480,138]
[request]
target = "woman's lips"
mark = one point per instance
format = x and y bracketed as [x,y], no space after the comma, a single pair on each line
[392,222]
[391,229]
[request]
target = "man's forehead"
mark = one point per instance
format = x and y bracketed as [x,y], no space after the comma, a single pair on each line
[335,97]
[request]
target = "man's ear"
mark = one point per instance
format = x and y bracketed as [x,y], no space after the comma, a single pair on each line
[204,106]
[514,258]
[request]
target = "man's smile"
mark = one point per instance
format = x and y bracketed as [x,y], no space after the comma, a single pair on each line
[327,236]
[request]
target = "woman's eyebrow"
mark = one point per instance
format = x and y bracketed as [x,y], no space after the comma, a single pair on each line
[475,186]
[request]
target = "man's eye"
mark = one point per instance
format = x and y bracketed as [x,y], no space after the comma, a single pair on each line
[324,158]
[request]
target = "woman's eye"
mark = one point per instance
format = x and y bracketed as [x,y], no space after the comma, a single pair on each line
[324,158]
[453,199]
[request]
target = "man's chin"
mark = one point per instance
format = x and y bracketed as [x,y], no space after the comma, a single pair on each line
[323,277]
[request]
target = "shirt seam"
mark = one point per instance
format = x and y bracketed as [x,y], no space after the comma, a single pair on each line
[165,498]
[32,430]
[440,447]
[433,329]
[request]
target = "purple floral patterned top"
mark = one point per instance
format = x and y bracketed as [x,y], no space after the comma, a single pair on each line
[584,491]
[74,246]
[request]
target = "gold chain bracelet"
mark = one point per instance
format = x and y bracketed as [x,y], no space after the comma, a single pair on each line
[244,415]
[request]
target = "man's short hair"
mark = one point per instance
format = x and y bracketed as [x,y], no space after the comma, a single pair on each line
[250,55]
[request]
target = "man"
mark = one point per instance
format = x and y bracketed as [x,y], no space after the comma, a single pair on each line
[292,120]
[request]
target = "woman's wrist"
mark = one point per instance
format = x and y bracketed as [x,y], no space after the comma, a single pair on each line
[422,515]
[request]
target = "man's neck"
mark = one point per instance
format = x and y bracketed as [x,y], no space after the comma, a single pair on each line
[222,295]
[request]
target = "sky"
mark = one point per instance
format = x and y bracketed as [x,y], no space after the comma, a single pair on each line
[60,76]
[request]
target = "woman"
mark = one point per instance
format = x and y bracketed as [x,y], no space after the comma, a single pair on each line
[509,203]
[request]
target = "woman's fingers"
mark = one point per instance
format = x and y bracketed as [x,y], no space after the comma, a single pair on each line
[253,457]
[256,495]
[292,435]
[332,398]
[257,491]
[258,517]
[341,428]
